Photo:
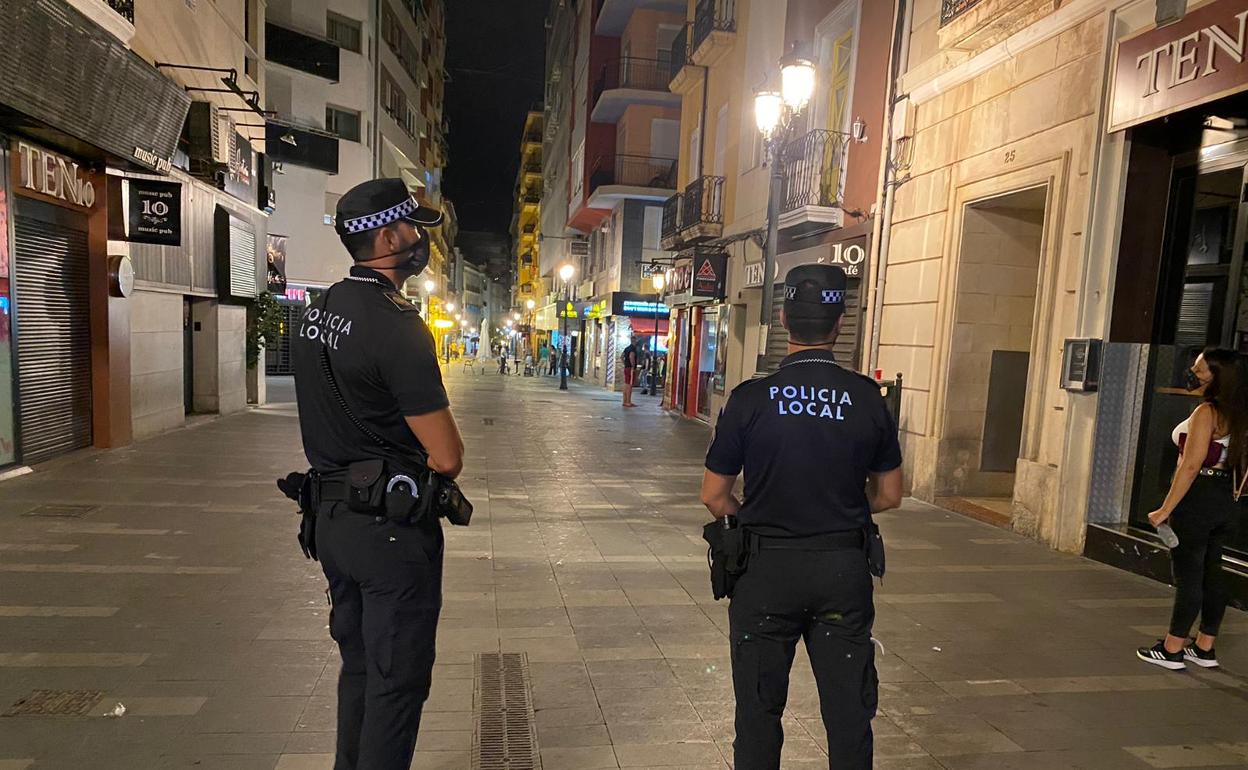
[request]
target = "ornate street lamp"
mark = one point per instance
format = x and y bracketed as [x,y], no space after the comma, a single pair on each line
[774,114]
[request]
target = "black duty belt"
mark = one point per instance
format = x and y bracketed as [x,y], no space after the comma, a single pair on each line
[1217,473]
[852,539]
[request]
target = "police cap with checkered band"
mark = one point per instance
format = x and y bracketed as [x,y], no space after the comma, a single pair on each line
[380,202]
[815,291]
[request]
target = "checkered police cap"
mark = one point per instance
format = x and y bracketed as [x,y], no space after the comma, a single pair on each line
[815,291]
[378,203]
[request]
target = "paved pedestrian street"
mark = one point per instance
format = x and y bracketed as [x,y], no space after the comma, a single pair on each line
[164,579]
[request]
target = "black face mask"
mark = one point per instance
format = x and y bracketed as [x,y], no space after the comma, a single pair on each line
[1191,381]
[417,255]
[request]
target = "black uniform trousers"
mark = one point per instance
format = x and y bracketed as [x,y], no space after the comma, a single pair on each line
[825,598]
[385,587]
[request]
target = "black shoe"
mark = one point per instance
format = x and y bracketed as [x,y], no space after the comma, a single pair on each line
[1158,656]
[1202,658]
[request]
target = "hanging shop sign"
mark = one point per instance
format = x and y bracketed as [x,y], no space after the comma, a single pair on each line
[710,275]
[680,278]
[153,212]
[1198,59]
[600,309]
[239,179]
[632,304]
[53,177]
[275,249]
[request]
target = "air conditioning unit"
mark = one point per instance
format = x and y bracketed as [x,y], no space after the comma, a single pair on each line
[203,135]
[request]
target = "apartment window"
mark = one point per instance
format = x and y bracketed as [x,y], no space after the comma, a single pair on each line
[251,67]
[251,23]
[346,33]
[344,123]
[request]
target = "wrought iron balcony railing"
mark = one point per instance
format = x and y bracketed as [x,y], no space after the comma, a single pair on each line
[678,57]
[814,166]
[671,216]
[633,171]
[713,16]
[631,72]
[703,202]
[123,7]
[952,9]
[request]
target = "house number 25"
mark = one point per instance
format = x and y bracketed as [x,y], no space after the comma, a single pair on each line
[1010,155]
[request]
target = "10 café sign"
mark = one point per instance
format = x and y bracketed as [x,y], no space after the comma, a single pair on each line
[1197,59]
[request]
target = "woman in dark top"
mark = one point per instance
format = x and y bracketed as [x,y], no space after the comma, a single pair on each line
[1202,510]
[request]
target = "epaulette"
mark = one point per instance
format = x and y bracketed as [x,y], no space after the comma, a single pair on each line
[400,302]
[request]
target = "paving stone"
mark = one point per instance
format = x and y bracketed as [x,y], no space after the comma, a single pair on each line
[184,596]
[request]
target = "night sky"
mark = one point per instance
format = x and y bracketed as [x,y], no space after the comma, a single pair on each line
[496,69]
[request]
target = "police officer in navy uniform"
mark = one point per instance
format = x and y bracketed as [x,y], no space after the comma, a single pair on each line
[385,578]
[819,451]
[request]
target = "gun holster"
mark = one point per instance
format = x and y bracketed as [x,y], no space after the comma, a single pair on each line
[873,545]
[302,488]
[727,555]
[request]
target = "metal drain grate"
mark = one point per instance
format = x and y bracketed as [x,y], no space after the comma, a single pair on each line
[504,738]
[56,703]
[61,511]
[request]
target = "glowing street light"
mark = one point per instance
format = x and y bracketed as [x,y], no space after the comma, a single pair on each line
[530,304]
[429,286]
[450,307]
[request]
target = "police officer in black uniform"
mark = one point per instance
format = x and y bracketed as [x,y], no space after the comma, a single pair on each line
[377,394]
[820,454]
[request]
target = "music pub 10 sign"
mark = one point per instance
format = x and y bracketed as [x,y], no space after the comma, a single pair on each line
[153,211]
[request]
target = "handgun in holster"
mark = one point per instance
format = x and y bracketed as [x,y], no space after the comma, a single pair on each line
[302,488]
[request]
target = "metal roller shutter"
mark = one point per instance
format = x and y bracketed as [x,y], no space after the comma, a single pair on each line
[53,339]
[846,349]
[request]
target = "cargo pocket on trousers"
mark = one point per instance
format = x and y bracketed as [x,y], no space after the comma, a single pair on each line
[764,679]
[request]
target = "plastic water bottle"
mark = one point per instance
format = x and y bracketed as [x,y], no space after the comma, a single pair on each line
[1167,535]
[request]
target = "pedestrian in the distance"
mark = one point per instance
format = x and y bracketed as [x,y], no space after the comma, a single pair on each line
[374,415]
[628,360]
[819,450]
[1202,508]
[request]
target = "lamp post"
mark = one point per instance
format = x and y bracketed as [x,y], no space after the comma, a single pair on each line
[774,114]
[565,275]
[529,305]
[658,281]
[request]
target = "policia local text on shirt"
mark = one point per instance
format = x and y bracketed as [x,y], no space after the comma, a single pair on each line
[819,450]
[384,448]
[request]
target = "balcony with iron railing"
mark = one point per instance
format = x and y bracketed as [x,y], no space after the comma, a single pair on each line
[702,210]
[628,81]
[952,9]
[671,221]
[814,171]
[123,7]
[714,22]
[634,171]
[679,55]
[695,215]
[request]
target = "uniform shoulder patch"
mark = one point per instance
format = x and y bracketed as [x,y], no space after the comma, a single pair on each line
[401,302]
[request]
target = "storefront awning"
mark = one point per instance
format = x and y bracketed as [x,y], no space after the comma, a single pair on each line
[75,87]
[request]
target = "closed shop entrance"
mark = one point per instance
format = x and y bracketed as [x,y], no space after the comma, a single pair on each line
[53,330]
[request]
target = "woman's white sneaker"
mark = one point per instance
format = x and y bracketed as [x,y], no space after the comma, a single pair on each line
[1159,656]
